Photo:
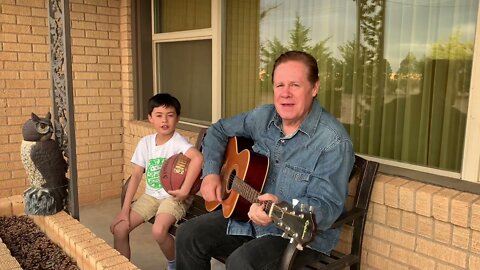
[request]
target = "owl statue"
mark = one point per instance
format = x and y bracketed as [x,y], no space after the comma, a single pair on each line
[46,168]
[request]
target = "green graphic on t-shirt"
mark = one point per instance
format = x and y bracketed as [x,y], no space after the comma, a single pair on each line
[152,174]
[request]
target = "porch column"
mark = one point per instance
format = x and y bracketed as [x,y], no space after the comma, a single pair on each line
[62,92]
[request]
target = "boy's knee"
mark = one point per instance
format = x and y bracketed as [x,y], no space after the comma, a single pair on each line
[160,232]
[121,229]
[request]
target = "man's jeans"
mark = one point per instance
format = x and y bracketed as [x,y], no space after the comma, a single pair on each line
[201,238]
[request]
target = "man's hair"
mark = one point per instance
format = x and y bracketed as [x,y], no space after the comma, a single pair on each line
[163,100]
[300,56]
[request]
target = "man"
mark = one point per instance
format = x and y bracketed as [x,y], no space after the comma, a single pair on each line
[310,157]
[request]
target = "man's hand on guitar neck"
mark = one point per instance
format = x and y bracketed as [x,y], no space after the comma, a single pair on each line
[257,212]
[211,188]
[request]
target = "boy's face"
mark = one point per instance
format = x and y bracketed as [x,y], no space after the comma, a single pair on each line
[164,120]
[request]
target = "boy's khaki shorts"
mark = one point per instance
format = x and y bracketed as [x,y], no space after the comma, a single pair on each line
[148,206]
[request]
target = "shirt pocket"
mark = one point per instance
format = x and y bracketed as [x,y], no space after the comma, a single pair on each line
[261,149]
[293,182]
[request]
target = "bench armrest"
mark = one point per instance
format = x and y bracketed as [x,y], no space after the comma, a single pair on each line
[349,217]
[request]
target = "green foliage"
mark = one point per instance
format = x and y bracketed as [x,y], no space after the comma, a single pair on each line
[299,40]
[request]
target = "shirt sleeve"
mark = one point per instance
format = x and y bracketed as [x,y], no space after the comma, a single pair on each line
[215,141]
[182,143]
[328,186]
[140,155]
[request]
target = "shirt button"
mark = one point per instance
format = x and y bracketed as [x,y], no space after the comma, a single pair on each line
[282,141]
[276,161]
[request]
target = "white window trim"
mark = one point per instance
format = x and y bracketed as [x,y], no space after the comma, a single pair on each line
[214,34]
[218,15]
[471,149]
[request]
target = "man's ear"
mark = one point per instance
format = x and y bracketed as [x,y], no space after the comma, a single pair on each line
[316,86]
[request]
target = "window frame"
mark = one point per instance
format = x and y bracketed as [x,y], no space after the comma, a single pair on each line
[470,170]
[214,34]
[471,150]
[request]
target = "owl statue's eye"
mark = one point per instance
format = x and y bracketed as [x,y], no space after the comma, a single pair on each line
[43,128]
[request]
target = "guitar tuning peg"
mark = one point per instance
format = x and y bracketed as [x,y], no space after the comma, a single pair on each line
[294,202]
[303,207]
[284,235]
[287,228]
[291,240]
[311,208]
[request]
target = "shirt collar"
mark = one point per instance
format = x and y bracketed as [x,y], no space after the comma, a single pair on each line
[310,123]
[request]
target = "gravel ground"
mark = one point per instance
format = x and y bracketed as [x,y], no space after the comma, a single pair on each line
[31,247]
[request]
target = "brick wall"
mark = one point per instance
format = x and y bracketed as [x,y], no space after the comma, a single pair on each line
[412,225]
[101,65]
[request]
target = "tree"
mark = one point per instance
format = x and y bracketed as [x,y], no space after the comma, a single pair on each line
[299,40]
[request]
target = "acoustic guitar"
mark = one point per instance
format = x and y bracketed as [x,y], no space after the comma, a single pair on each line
[243,176]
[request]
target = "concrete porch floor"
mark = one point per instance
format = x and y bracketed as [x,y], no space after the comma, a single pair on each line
[146,254]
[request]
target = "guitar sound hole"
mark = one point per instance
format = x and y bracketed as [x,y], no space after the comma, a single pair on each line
[231,178]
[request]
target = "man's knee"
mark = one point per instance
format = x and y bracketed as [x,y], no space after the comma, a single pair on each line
[239,260]
[184,232]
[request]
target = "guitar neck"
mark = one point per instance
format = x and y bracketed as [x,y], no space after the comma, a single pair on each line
[248,193]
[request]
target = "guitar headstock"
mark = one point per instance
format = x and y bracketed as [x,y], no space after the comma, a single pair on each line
[298,223]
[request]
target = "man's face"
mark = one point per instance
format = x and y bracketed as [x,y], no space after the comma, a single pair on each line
[164,119]
[293,93]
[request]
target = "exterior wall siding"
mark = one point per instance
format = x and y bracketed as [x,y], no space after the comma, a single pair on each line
[411,225]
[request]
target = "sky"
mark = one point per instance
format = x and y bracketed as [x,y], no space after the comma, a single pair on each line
[410,25]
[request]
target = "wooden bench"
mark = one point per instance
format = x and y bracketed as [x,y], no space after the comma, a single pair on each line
[360,188]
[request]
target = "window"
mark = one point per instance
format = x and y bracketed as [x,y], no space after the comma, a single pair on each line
[183,55]
[396,73]
[184,69]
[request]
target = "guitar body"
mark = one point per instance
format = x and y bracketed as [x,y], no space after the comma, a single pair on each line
[240,164]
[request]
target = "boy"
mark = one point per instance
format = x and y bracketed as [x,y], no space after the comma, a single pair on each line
[167,207]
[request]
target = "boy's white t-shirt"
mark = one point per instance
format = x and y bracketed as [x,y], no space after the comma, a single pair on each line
[151,157]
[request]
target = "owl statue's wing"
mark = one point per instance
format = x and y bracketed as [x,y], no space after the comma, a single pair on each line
[49,161]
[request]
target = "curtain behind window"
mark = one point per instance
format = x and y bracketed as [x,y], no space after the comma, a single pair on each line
[395,73]
[241,57]
[181,15]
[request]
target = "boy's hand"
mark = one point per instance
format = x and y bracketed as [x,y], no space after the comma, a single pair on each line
[122,216]
[180,194]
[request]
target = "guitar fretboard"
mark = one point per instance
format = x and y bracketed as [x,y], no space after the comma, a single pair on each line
[247,192]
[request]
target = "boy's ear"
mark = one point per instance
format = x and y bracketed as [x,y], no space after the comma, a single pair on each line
[149,118]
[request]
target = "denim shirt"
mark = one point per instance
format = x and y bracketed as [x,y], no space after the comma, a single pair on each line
[313,165]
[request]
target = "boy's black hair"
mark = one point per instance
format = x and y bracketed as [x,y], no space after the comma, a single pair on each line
[163,100]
